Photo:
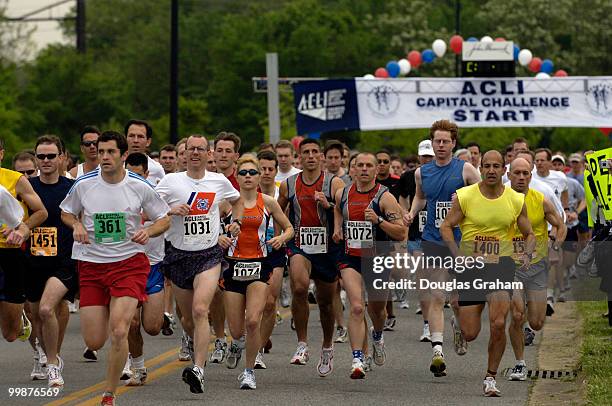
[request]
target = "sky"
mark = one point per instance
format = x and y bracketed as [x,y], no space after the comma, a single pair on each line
[46,32]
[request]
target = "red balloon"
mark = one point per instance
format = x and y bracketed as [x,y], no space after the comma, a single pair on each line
[606,131]
[560,73]
[535,64]
[456,43]
[500,39]
[414,57]
[381,73]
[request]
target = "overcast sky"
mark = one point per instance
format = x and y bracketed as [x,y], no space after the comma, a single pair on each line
[46,32]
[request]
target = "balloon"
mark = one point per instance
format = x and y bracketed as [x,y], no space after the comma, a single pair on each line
[368,76]
[439,48]
[516,52]
[500,39]
[524,57]
[393,69]
[486,39]
[542,75]
[535,64]
[428,56]
[404,67]
[456,43]
[381,73]
[472,39]
[560,73]
[606,131]
[547,66]
[414,57]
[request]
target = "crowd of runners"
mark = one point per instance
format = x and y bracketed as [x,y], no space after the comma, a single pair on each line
[213,239]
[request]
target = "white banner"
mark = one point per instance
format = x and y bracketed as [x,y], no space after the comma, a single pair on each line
[513,102]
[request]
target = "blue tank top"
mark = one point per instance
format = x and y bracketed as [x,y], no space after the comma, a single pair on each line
[438,184]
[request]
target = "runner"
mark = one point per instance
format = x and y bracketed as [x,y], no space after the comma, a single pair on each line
[193,260]
[358,208]
[436,182]
[25,164]
[285,153]
[474,149]
[168,158]
[89,141]
[487,213]
[309,197]
[535,278]
[181,163]
[109,246]
[139,135]
[245,281]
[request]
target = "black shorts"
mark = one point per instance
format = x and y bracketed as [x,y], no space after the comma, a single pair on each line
[479,280]
[436,249]
[277,258]
[374,275]
[570,239]
[229,283]
[41,269]
[181,267]
[322,266]
[13,266]
[583,225]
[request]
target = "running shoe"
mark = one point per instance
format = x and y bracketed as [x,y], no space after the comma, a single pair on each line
[285,295]
[259,361]
[341,334]
[73,307]
[459,340]
[404,304]
[357,369]
[301,355]
[279,319]
[41,354]
[529,336]
[573,272]
[326,362]
[343,299]
[268,346]
[561,298]
[184,351]
[38,371]
[108,399]
[292,324]
[438,366]
[418,310]
[55,376]
[26,327]
[219,353]
[312,297]
[446,305]
[167,329]
[550,310]
[90,355]
[233,356]
[389,324]
[138,378]
[247,380]
[426,336]
[519,373]
[194,377]
[378,349]
[489,387]
[367,363]
[127,370]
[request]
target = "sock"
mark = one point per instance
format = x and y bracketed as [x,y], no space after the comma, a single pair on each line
[436,341]
[222,339]
[138,362]
[358,354]
[377,335]
[492,374]
[249,370]
[240,342]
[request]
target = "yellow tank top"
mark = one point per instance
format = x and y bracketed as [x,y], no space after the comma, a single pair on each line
[9,179]
[534,201]
[488,224]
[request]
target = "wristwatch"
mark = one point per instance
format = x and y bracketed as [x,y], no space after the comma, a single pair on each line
[380,220]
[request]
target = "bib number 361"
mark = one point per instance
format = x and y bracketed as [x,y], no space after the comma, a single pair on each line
[109,228]
[313,240]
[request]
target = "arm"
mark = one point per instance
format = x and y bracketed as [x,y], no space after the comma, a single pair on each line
[564,198]
[453,218]
[25,191]
[525,228]
[418,203]
[553,218]
[320,197]
[280,219]
[73,172]
[470,174]
[338,235]
[283,196]
[392,223]
[79,233]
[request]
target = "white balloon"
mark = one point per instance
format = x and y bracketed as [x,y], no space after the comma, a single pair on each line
[404,65]
[524,57]
[369,76]
[486,39]
[542,75]
[439,47]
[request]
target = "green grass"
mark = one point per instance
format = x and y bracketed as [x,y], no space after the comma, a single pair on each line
[596,353]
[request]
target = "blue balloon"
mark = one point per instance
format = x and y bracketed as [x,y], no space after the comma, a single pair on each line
[472,39]
[547,66]
[517,49]
[393,68]
[428,56]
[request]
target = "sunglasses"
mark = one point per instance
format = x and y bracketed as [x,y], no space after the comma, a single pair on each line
[383,161]
[28,172]
[88,143]
[252,172]
[48,156]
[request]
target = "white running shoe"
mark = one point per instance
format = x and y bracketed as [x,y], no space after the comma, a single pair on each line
[378,349]
[519,373]
[438,365]
[194,377]
[343,298]
[285,295]
[367,363]
[279,319]
[38,371]
[138,378]
[404,304]
[418,310]
[127,371]
[426,336]
[357,369]
[73,307]
[219,353]
[247,380]
[233,356]
[259,361]
[389,324]
[461,344]
[55,376]
[186,344]
[489,387]
[326,362]
[301,355]
[41,354]
[341,334]
[90,355]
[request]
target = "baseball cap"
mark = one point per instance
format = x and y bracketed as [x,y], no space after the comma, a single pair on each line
[425,148]
[575,158]
[558,157]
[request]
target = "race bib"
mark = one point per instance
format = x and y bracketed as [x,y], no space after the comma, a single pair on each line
[43,242]
[487,248]
[197,229]
[422,220]
[247,271]
[109,228]
[359,234]
[313,240]
[442,209]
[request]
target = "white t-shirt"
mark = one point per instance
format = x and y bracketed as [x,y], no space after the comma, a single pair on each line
[111,214]
[200,229]
[156,171]
[155,248]
[11,212]
[281,176]
[555,179]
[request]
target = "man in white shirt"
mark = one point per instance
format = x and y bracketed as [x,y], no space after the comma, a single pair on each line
[284,153]
[139,135]
[104,209]
[89,149]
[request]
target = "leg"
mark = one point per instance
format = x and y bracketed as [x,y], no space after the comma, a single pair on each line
[63,314]
[234,312]
[517,338]
[269,314]
[135,341]
[52,298]
[217,314]
[378,314]
[499,305]
[184,304]
[469,318]
[255,302]
[536,305]
[94,322]
[204,287]
[338,312]
[356,326]
[300,279]
[325,300]
[153,313]
[121,312]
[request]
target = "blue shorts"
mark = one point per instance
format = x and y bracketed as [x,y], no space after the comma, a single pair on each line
[155,281]
[322,266]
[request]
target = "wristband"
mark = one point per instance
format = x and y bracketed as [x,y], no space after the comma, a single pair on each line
[238,222]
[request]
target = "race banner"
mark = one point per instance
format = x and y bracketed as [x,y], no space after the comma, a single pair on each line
[385,104]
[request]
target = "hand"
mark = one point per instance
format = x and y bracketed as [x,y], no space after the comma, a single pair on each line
[79,234]
[141,237]
[337,236]
[179,210]
[408,218]
[320,197]
[572,216]
[371,216]
[233,229]
[225,242]
[276,243]
[16,236]
[525,261]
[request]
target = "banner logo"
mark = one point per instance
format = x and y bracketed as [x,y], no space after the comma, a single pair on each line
[599,99]
[383,100]
[326,105]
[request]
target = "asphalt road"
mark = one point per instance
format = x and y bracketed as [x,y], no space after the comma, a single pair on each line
[404,379]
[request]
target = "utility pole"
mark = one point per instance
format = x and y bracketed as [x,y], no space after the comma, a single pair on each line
[80,27]
[174,44]
[457,31]
[273,97]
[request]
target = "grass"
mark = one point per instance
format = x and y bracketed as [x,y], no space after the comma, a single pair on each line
[596,353]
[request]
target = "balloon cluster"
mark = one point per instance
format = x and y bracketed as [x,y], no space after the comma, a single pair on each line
[414,59]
